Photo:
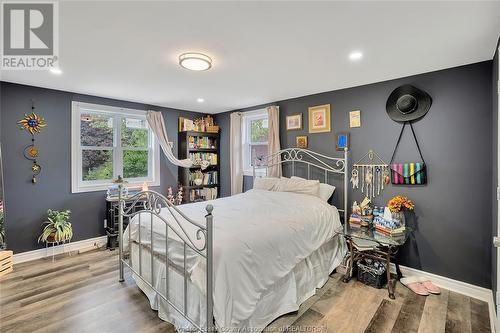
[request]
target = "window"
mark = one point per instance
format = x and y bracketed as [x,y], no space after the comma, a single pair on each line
[254,129]
[109,141]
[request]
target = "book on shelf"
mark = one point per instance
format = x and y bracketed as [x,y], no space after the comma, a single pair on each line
[208,178]
[206,193]
[201,142]
[210,157]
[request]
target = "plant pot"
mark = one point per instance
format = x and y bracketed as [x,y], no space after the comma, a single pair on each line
[51,238]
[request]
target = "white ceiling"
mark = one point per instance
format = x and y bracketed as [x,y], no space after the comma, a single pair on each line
[262,51]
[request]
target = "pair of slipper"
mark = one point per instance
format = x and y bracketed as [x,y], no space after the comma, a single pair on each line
[420,286]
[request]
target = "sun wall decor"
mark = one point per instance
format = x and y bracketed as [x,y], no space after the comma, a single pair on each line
[33,124]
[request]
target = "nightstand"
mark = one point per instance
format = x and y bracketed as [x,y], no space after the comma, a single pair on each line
[385,249]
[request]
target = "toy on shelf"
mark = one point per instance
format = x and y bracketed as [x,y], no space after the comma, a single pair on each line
[203,124]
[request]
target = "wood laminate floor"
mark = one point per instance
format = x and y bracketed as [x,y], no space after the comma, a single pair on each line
[81,293]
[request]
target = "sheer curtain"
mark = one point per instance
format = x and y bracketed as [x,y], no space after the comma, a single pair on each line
[236,153]
[157,125]
[273,141]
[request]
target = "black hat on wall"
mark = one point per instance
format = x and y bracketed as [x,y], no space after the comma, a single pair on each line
[408,103]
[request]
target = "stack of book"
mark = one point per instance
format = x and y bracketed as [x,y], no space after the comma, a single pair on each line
[358,221]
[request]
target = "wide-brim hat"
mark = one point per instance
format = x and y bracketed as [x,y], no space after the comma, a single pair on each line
[408,103]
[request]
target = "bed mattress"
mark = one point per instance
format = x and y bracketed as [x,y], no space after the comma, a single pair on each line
[262,240]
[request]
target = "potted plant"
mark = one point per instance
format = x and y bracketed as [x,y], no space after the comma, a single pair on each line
[58,228]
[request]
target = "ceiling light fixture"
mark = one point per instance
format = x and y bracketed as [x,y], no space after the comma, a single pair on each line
[355,55]
[200,100]
[55,70]
[195,61]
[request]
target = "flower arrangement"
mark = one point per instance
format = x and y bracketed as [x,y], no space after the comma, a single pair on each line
[399,202]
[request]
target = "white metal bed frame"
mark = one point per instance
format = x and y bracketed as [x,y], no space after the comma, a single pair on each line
[152,203]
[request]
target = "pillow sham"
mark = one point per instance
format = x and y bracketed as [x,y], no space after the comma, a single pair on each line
[310,187]
[266,183]
[325,190]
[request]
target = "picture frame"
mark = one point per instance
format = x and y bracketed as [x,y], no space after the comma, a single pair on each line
[342,141]
[355,118]
[294,122]
[319,119]
[301,141]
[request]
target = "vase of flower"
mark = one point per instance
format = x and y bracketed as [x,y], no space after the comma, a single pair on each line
[398,206]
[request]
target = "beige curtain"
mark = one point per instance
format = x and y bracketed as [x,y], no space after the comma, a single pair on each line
[236,153]
[157,125]
[273,141]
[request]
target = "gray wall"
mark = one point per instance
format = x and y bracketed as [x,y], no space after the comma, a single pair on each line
[27,204]
[454,211]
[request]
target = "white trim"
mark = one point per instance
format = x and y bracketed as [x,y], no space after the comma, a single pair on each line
[78,186]
[95,242]
[460,287]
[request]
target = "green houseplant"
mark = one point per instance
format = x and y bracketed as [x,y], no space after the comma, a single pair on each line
[58,227]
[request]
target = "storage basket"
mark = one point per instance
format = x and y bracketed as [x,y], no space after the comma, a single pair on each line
[372,273]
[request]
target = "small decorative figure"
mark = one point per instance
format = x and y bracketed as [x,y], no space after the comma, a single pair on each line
[355,178]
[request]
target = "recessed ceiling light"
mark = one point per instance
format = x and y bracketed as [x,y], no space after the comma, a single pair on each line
[200,100]
[195,61]
[355,55]
[55,70]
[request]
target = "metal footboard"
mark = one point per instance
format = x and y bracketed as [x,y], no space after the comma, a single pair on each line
[200,242]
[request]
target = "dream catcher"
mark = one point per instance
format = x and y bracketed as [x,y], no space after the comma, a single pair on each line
[370,173]
[32,124]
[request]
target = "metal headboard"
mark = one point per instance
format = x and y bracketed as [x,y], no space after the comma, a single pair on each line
[313,161]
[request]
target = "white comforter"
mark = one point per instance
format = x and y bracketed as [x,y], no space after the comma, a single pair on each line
[259,237]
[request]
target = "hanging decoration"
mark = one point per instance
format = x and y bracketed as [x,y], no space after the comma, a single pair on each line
[33,124]
[372,174]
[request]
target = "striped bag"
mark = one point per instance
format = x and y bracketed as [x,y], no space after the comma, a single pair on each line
[410,173]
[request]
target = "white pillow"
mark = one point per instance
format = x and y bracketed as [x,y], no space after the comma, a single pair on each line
[325,190]
[266,183]
[301,186]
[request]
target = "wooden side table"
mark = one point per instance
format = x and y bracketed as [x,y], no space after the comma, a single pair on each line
[385,249]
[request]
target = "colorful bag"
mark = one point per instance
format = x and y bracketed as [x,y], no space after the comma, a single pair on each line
[411,173]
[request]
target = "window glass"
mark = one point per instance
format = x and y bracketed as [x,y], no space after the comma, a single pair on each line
[258,130]
[97,164]
[134,132]
[96,130]
[135,163]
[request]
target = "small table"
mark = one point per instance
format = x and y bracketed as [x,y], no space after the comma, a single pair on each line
[385,249]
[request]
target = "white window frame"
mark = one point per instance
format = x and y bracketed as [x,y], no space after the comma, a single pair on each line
[246,119]
[78,185]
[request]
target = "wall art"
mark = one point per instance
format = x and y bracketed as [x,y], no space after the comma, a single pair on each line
[294,122]
[319,119]
[301,141]
[32,124]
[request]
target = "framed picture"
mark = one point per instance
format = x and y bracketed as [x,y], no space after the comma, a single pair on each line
[319,119]
[294,122]
[301,141]
[342,141]
[355,118]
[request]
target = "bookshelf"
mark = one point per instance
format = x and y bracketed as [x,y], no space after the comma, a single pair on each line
[203,145]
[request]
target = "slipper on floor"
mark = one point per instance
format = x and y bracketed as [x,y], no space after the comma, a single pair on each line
[414,285]
[431,288]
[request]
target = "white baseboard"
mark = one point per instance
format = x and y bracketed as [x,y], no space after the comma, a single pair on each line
[460,287]
[59,249]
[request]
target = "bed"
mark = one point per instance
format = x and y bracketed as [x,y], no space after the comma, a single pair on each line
[235,263]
